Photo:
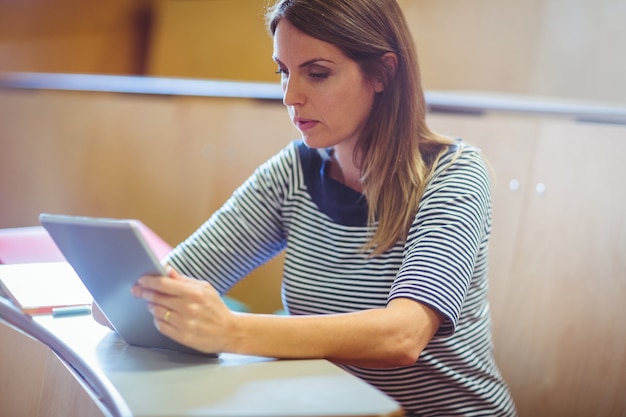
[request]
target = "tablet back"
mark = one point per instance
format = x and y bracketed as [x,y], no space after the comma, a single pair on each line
[109,255]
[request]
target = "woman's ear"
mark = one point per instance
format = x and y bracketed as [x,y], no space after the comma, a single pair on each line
[389,63]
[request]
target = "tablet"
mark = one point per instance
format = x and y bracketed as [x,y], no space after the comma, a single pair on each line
[109,255]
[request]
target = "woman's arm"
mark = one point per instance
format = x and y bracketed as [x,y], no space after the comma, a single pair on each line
[378,338]
[191,312]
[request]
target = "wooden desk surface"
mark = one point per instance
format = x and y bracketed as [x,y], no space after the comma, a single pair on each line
[160,383]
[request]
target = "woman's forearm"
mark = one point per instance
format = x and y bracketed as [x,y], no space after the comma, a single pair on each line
[192,313]
[386,337]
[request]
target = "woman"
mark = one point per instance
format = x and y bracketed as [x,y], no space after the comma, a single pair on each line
[385,226]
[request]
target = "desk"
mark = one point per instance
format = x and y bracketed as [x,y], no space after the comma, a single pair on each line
[160,383]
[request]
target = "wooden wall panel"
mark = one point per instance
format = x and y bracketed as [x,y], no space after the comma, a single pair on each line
[22,369]
[546,48]
[218,39]
[169,161]
[64,394]
[34,382]
[508,144]
[579,50]
[557,259]
[557,266]
[482,45]
[74,36]
[553,48]
[564,295]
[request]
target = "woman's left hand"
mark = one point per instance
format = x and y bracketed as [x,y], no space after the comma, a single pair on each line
[187,310]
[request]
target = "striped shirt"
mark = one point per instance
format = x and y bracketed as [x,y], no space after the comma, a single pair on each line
[291,203]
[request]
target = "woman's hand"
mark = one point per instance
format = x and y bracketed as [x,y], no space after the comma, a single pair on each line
[193,313]
[187,310]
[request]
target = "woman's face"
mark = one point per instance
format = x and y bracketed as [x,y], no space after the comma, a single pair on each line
[328,97]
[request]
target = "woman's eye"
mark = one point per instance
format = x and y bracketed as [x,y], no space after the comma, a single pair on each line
[319,75]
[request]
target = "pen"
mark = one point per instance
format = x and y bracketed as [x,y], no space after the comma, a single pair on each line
[71,311]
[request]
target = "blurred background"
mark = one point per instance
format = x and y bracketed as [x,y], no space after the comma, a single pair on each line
[571,49]
[557,147]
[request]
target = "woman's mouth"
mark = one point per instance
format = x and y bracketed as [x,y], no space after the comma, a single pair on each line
[304,124]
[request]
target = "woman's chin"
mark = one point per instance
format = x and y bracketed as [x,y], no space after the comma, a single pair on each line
[315,144]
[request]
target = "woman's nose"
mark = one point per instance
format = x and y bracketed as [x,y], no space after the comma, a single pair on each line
[292,92]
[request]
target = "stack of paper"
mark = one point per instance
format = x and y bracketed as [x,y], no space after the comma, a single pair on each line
[38,288]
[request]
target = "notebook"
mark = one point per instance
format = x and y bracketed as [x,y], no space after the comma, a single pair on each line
[40,288]
[109,255]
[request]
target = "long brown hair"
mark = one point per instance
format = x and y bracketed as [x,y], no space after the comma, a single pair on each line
[396,151]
